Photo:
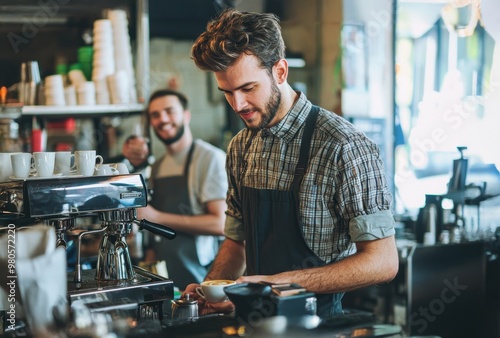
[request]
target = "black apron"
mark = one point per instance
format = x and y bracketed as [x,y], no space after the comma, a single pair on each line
[171,194]
[274,239]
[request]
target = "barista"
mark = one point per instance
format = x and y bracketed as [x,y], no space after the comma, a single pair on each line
[308,201]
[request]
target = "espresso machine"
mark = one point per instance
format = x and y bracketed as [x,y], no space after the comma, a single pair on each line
[115,283]
[434,219]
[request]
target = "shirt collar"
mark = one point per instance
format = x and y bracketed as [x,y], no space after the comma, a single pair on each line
[288,127]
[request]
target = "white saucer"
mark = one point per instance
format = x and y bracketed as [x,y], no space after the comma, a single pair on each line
[73,174]
[13,178]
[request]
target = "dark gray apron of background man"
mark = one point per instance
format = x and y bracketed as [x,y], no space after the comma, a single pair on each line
[274,238]
[171,194]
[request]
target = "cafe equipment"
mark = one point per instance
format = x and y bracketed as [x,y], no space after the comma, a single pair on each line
[184,308]
[430,219]
[453,294]
[459,173]
[433,219]
[59,201]
[258,299]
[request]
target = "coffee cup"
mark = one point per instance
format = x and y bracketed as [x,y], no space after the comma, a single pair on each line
[44,163]
[105,170]
[5,167]
[63,162]
[86,161]
[122,168]
[21,164]
[213,290]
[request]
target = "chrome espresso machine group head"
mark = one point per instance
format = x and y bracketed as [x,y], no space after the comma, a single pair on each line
[113,199]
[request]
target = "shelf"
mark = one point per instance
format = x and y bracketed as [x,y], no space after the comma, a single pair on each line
[97,110]
[10,111]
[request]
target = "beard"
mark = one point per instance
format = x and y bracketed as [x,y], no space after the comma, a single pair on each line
[271,109]
[171,140]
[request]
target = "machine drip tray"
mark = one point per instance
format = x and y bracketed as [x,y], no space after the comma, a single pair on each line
[146,287]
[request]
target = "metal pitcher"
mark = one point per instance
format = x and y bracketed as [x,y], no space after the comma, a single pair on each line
[185,308]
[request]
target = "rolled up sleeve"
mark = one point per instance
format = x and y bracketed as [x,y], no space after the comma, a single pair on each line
[233,228]
[372,226]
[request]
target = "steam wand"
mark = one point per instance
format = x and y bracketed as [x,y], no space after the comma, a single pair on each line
[78,268]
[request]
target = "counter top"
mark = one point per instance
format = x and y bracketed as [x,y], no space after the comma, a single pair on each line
[360,324]
[229,326]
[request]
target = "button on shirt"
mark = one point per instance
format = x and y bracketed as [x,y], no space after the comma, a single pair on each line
[344,196]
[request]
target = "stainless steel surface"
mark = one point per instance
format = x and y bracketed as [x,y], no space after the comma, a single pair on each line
[113,260]
[184,308]
[115,282]
[61,225]
[98,290]
[77,196]
[78,267]
[149,293]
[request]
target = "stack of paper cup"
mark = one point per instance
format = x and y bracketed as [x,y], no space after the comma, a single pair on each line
[76,76]
[102,91]
[104,62]
[118,87]
[54,90]
[122,49]
[70,95]
[86,93]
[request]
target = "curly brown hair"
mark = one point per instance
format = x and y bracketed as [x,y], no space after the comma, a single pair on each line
[233,33]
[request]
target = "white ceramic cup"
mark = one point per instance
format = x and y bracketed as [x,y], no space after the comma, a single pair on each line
[86,161]
[213,290]
[122,168]
[21,164]
[63,162]
[5,167]
[106,170]
[44,163]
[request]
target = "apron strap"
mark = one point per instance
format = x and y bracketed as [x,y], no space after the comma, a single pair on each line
[244,165]
[300,169]
[188,161]
[156,166]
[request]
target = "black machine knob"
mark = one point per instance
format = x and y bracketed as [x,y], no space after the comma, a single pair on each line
[157,229]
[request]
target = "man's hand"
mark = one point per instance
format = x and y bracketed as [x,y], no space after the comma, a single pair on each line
[148,212]
[205,307]
[136,150]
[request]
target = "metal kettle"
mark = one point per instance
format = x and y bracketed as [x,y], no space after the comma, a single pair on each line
[184,308]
